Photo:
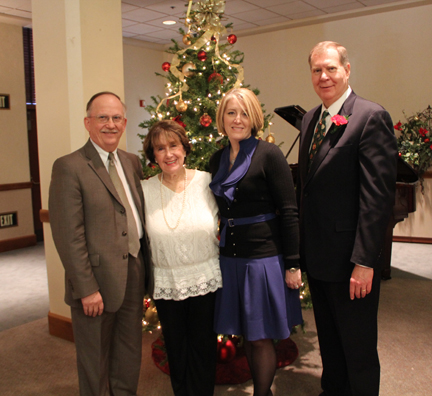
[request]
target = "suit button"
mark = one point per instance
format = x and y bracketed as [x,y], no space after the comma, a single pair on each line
[235,200]
[122,211]
[125,256]
[124,233]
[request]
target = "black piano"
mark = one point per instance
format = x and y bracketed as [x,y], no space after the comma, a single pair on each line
[405,200]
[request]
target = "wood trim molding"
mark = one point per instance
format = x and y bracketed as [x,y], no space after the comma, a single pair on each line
[411,239]
[44,215]
[17,243]
[60,326]
[427,174]
[15,186]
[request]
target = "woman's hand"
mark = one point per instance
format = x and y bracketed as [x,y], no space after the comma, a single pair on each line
[293,279]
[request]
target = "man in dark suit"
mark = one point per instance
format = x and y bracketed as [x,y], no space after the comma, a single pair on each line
[96,208]
[346,186]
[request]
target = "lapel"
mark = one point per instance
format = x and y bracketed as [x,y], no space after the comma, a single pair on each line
[129,172]
[95,162]
[305,144]
[331,138]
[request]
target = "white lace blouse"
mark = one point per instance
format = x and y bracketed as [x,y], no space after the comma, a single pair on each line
[186,261]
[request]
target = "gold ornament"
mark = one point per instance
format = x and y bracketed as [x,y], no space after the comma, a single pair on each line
[270,138]
[186,69]
[181,106]
[151,316]
[186,39]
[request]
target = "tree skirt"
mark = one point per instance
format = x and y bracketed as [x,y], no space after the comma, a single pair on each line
[237,370]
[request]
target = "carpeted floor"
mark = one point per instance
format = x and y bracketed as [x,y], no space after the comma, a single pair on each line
[34,363]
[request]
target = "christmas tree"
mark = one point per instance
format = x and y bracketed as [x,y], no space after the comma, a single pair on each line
[200,73]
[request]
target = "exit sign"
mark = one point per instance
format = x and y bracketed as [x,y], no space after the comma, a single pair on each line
[8,219]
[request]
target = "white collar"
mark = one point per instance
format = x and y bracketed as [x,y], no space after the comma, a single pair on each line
[336,106]
[104,154]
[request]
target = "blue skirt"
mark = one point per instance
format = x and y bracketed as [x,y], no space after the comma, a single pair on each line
[255,301]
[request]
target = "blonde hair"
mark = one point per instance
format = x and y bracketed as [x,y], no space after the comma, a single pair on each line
[324,45]
[249,103]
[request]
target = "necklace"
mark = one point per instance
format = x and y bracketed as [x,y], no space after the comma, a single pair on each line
[183,204]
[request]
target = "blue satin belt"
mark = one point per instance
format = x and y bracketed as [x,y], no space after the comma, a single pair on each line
[242,221]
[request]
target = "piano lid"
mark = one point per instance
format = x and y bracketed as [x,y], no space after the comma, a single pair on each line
[292,114]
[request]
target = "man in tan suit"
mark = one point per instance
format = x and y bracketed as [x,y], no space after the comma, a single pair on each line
[97,222]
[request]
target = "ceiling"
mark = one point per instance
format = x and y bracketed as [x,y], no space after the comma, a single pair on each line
[142,19]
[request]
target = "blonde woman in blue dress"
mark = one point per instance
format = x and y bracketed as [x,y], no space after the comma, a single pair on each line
[259,250]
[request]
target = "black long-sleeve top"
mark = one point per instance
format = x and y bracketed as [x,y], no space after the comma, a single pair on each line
[267,187]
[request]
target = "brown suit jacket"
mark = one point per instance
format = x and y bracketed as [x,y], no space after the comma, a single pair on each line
[88,223]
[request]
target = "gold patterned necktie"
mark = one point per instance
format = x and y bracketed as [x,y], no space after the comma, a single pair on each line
[318,136]
[133,238]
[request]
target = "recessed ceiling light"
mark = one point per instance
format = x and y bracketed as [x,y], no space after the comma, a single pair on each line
[169,22]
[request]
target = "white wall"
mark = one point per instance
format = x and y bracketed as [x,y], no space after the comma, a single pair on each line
[391,58]
[140,65]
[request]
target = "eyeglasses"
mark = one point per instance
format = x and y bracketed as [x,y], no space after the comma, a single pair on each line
[104,119]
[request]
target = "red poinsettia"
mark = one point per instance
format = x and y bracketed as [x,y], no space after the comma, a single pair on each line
[423,132]
[179,121]
[398,126]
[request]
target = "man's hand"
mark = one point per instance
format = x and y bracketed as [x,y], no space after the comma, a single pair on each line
[361,281]
[93,304]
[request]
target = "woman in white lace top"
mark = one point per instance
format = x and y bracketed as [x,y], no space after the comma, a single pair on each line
[181,221]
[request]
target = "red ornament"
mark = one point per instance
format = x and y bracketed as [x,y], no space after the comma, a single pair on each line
[205,120]
[213,38]
[232,38]
[226,351]
[166,66]
[179,121]
[215,75]
[202,55]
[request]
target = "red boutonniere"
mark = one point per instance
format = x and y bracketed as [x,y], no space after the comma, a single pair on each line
[339,121]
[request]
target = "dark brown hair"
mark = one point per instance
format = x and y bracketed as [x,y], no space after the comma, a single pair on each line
[170,129]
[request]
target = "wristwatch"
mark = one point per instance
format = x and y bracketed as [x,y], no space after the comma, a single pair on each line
[294,269]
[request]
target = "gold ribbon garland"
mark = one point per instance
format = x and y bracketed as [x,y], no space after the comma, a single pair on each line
[206,14]
[239,68]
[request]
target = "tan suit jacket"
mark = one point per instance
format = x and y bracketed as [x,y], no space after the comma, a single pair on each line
[89,225]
